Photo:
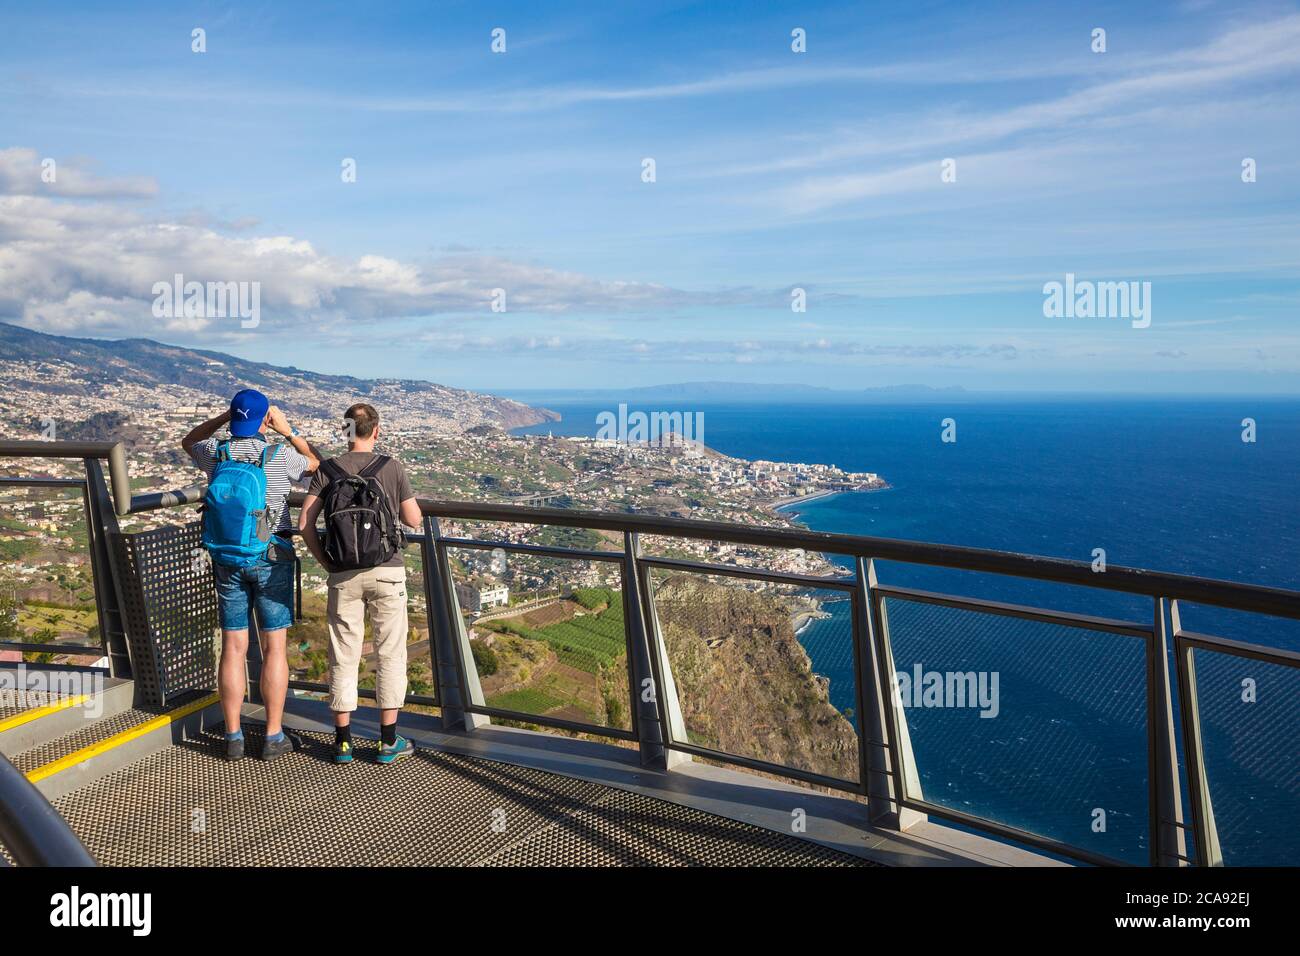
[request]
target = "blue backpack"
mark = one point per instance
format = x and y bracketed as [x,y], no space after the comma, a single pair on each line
[236,522]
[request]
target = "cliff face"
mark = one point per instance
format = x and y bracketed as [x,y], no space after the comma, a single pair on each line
[745,682]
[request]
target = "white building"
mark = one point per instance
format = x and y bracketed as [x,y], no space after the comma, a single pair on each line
[480,599]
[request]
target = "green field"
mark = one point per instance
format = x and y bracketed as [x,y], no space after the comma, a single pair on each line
[588,642]
[526,700]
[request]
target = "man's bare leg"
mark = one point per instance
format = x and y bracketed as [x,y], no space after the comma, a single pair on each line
[275,678]
[231,676]
[343,718]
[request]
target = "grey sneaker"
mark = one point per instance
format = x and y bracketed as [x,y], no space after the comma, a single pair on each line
[275,748]
[235,749]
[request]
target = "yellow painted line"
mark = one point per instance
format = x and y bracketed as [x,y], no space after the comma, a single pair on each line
[120,738]
[27,716]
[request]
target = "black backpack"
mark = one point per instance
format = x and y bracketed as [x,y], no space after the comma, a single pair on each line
[361,530]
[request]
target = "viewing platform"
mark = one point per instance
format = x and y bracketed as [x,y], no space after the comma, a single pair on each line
[669,715]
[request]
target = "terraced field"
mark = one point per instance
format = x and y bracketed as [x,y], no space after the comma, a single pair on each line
[574,668]
[585,641]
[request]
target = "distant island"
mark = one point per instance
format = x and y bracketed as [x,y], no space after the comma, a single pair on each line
[741,392]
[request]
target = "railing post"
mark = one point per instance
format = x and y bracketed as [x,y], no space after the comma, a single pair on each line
[1165,811]
[872,700]
[1208,852]
[101,524]
[903,778]
[454,670]
[658,714]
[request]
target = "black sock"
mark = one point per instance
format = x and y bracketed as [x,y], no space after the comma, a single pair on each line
[388,733]
[343,735]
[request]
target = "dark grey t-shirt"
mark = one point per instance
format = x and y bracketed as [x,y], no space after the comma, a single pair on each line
[392,478]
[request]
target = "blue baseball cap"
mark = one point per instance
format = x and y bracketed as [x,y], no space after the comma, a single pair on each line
[247,409]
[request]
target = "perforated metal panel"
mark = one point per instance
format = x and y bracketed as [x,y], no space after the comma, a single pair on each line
[169,602]
[186,806]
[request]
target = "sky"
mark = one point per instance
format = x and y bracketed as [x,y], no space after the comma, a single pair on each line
[843,194]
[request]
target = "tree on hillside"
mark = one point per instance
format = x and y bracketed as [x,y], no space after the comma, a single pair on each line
[8,618]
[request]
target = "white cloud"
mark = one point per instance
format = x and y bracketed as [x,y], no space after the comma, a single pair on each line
[23,172]
[91,266]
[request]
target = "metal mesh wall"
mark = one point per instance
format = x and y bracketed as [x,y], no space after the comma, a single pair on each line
[170,606]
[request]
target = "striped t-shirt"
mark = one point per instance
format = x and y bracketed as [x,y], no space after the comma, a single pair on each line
[288,465]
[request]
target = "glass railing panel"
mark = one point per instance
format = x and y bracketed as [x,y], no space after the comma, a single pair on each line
[1029,724]
[547,635]
[1249,713]
[763,671]
[47,588]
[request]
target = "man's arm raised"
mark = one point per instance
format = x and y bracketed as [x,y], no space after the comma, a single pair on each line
[203,432]
[276,420]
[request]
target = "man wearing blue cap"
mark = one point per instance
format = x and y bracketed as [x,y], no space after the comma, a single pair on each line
[264,581]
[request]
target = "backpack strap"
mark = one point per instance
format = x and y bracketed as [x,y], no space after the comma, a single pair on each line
[273,519]
[269,452]
[372,469]
[373,466]
[333,470]
[223,450]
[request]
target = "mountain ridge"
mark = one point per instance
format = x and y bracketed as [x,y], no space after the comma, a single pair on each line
[142,362]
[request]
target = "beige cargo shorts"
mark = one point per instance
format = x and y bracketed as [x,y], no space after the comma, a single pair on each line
[382,592]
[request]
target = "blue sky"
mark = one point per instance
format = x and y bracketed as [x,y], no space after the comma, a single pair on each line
[775,170]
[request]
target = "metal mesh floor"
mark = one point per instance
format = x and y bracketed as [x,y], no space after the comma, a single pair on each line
[11,706]
[186,806]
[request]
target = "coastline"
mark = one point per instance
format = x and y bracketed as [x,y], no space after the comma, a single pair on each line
[800,619]
[778,505]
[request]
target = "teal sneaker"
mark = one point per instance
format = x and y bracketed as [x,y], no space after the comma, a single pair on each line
[399,748]
[343,751]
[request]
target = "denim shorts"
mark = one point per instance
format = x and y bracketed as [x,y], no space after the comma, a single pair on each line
[264,584]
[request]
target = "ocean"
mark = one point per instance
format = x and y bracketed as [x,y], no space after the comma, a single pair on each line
[1166,484]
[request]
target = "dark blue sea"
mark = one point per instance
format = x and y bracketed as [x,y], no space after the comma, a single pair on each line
[1165,484]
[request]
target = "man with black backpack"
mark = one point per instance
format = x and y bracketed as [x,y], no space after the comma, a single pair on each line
[365,498]
[246,532]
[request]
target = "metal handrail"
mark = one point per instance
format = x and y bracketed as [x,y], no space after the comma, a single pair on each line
[1278,602]
[118,475]
[31,829]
